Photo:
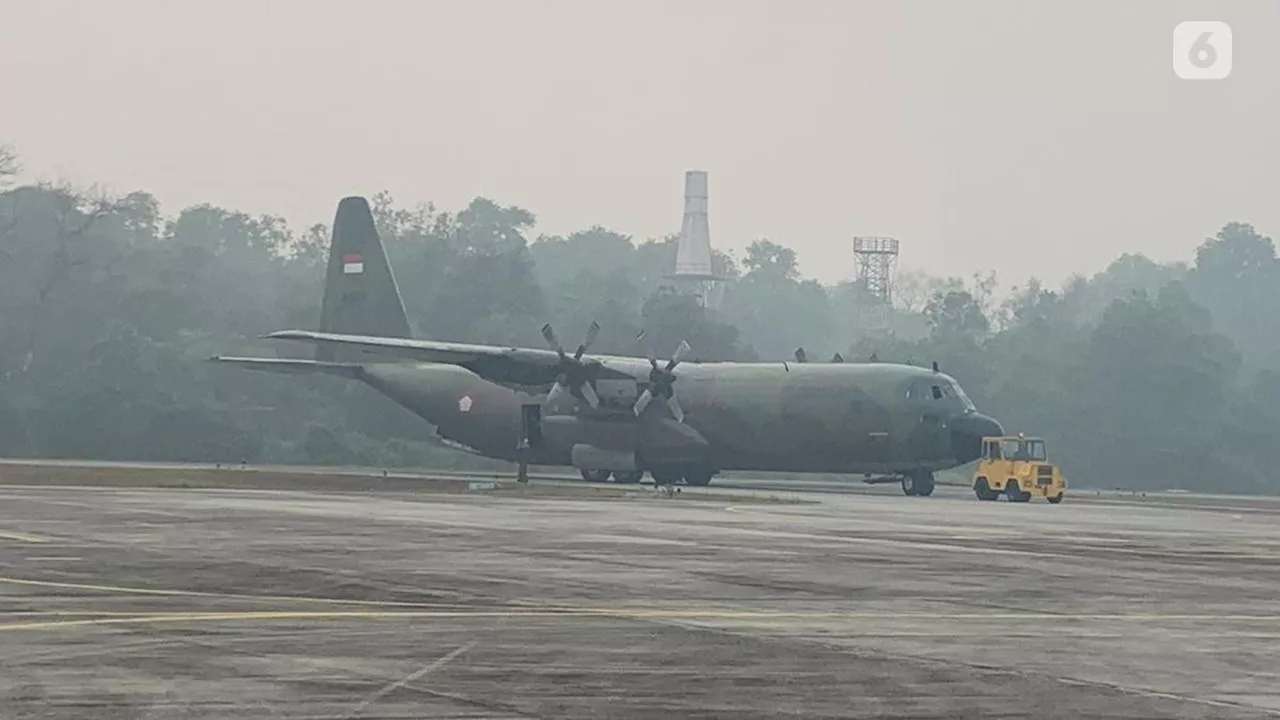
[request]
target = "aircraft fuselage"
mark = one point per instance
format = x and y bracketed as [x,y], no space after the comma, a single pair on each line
[840,418]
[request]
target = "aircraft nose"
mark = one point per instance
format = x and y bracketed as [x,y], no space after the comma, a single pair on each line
[967,432]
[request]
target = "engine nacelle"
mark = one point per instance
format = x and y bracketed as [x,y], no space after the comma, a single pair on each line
[590,457]
[620,434]
[657,442]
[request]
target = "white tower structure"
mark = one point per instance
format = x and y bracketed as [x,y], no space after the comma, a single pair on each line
[693,253]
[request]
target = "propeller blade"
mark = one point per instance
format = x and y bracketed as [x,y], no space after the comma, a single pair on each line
[592,332]
[676,411]
[554,395]
[642,402]
[550,336]
[589,394]
[680,352]
[801,356]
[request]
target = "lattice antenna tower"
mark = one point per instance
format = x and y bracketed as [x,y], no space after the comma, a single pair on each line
[875,258]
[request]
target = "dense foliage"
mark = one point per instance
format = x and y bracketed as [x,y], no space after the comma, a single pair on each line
[1142,376]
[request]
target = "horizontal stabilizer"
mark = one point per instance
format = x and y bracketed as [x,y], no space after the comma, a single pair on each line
[422,350]
[292,367]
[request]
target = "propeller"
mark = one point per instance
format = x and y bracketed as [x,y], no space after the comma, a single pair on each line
[575,375]
[661,380]
[803,357]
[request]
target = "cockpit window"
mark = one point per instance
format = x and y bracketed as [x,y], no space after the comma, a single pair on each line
[942,389]
[959,393]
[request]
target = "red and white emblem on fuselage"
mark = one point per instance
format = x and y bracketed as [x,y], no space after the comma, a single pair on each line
[464,404]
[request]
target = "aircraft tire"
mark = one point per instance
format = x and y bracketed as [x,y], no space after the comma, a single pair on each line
[595,476]
[666,476]
[919,484]
[697,477]
[627,477]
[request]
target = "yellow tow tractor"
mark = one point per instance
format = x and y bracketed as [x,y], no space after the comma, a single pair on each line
[1017,467]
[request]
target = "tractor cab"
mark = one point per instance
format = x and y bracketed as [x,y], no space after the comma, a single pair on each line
[1017,467]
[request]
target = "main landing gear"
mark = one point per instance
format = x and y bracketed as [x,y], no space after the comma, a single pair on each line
[918,482]
[693,476]
[622,477]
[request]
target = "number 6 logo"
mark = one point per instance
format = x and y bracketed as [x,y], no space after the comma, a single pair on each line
[1202,50]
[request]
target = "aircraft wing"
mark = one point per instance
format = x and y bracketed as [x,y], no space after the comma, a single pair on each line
[291,367]
[523,368]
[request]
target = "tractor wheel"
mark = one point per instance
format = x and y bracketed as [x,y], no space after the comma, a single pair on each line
[1014,492]
[983,490]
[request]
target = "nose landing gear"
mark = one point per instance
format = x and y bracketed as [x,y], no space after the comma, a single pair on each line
[917,483]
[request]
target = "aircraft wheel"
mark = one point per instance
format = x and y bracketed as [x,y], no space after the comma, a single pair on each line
[1057,498]
[666,476]
[908,485]
[627,477]
[918,483]
[596,476]
[698,478]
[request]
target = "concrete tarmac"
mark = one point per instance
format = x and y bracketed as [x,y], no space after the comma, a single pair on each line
[130,602]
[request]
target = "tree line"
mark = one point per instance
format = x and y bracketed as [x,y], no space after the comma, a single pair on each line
[1144,375]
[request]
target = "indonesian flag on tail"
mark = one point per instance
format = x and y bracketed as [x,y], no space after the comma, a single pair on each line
[352,264]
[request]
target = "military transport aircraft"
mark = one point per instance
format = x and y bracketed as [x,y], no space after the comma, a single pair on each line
[625,415]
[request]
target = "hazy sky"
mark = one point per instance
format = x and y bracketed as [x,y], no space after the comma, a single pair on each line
[1025,137]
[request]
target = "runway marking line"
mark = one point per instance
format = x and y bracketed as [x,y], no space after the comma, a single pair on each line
[20,537]
[419,674]
[516,612]
[228,596]
[470,609]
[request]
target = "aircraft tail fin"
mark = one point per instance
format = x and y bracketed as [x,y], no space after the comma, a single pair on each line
[360,292]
